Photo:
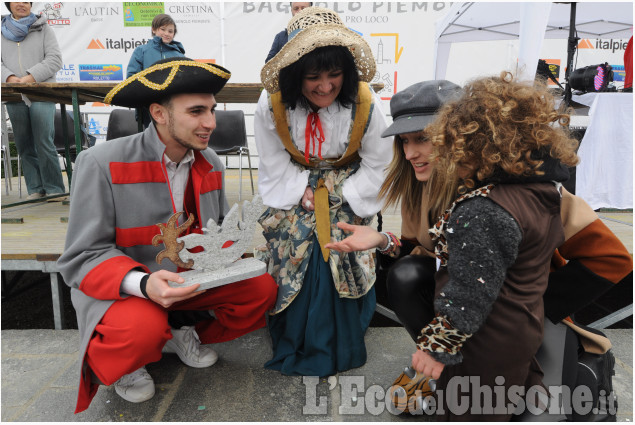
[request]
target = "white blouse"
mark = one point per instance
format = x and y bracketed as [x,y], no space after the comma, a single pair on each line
[281,182]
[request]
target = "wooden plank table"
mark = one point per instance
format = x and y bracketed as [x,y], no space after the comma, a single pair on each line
[68,93]
[33,238]
[77,94]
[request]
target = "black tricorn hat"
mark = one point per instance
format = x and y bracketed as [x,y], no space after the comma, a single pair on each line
[166,78]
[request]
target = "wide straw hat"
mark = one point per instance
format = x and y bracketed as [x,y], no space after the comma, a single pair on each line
[310,29]
[165,78]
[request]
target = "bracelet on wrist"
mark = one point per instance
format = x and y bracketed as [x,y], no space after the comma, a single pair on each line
[393,244]
[385,248]
[143,284]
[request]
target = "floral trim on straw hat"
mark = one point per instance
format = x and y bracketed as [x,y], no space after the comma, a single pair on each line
[165,78]
[316,27]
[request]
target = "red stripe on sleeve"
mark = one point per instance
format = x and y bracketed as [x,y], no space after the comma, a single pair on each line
[104,281]
[212,181]
[599,250]
[136,172]
[134,236]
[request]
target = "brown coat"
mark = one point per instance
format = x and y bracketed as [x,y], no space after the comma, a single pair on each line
[506,344]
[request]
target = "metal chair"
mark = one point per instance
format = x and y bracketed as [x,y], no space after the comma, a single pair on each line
[6,157]
[87,139]
[121,122]
[6,154]
[230,138]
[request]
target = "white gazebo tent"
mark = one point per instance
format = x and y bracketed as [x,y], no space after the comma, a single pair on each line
[605,176]
[530,23]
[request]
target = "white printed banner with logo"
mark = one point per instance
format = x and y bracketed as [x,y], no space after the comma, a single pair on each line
[97,40]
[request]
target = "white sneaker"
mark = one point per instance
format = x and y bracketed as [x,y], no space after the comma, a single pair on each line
[135,387]
[186,344]
[35,195]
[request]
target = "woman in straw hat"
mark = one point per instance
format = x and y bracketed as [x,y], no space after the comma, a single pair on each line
[410,278]
[318,131]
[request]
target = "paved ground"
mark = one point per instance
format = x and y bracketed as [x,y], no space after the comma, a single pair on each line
[40,372]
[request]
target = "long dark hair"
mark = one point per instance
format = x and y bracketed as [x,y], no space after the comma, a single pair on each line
[326,58]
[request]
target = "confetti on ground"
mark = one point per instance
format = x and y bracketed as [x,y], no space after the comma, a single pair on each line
[201,407]
[480,279]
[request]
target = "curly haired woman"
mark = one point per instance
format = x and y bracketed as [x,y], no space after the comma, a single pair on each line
[500,145]
[596,258]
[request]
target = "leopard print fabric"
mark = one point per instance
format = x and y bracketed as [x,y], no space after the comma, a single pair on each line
[437,232]
[441,337]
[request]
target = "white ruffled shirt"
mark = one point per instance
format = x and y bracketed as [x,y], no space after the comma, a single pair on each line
[281,182]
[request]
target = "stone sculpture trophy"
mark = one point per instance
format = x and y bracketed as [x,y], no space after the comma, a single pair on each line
[214,265]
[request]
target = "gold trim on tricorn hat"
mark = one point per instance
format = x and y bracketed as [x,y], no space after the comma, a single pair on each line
[165,78]
[316,27]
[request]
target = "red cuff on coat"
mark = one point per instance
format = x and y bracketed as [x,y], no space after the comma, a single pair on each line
[104,281]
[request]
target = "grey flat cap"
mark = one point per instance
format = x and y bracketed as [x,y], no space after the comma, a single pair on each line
[413,108]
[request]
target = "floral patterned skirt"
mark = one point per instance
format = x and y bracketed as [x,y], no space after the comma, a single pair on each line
[291,238]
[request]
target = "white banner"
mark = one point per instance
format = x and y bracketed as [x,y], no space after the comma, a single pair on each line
[97,40]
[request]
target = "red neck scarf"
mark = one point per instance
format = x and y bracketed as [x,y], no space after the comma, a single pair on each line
[313,132]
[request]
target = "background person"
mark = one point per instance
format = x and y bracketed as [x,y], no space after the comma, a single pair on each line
[628,66]
[318,131]
[161,46]
[30,54]
[121,190]
[282,37]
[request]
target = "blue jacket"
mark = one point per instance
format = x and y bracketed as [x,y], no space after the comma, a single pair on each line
[280,40]
[147,54]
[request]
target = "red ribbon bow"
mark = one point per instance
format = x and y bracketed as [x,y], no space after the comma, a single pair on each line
[313,132]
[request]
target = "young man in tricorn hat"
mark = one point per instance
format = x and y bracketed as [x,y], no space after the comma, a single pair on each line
[121,190]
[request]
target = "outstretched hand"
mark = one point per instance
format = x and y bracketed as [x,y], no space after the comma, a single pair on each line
[162,293]
[363,238]
[424,363]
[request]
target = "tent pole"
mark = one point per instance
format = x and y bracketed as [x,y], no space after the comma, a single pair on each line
[571,46]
